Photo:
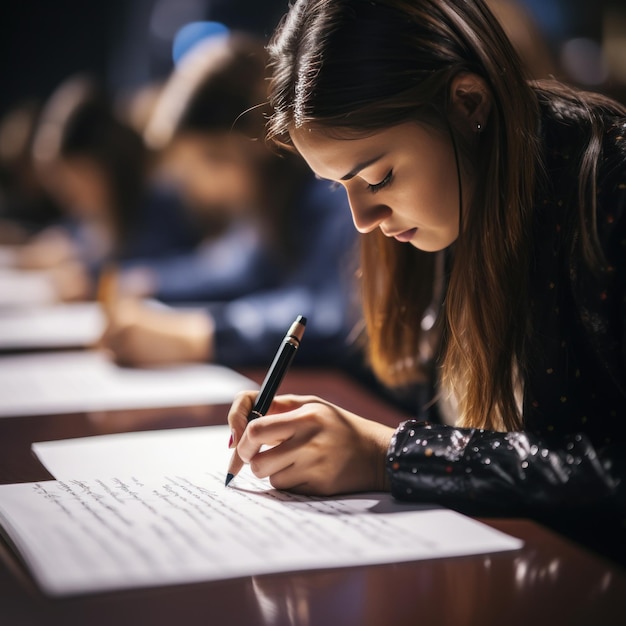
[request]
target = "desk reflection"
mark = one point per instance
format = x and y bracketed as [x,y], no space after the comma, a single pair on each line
[527,586]
[110,422]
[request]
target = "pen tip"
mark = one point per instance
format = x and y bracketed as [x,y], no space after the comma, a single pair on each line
[301,320]
[229,477]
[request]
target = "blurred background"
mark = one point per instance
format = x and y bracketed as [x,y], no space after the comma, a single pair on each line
[128,43]
[116,144]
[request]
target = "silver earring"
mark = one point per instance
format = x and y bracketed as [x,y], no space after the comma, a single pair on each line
[478,127]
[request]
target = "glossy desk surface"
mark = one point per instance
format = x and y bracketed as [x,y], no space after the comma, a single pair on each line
[549,581]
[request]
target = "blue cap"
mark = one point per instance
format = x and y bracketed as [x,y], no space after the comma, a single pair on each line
[192,34]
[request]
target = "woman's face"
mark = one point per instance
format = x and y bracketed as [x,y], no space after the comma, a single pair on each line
[402,180]
[213,172]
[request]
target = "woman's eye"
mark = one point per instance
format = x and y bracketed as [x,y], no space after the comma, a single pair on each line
[383,183]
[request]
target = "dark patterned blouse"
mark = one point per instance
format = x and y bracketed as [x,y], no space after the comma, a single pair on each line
[567,468]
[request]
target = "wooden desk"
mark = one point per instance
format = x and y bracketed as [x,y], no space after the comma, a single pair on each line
[550,581]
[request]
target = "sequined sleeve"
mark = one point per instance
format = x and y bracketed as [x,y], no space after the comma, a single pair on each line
[490,473]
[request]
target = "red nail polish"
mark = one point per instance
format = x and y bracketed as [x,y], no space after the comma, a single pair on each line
[230,441]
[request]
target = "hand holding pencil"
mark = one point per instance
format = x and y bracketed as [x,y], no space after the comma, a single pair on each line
[140,334]
[274,377]
[315,447]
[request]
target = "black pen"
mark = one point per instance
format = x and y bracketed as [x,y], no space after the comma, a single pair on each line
[275,374]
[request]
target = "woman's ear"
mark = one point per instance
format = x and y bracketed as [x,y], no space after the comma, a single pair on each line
[470,103]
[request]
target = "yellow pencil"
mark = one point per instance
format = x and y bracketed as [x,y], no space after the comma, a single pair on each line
[107,287]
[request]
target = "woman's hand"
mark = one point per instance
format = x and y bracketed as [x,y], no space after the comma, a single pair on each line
[71,281]
[318,448]
[140,335]
[51,248]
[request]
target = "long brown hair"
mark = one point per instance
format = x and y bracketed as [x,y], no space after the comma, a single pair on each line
[351,67]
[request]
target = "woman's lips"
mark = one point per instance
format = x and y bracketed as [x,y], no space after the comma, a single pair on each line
[405,236]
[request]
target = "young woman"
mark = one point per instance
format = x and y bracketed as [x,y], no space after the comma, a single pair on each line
[274,238]
[98,170]
[493,255]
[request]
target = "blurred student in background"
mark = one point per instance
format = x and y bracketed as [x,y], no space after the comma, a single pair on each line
[276,240]
[25,207]
[98,170]
[236,191]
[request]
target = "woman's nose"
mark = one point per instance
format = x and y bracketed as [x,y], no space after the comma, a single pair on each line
[367,215]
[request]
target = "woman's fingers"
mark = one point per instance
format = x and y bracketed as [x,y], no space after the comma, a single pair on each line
[273,460]
[291,467]
[294,459]
[248,437]
[287,465]
[244,402]
[318,448]
[238,415]
[291,478]
[269,431]
[290,402]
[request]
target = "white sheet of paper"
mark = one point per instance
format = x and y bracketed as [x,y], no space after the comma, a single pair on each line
[153,451]
[76,382]
[75,325]
[146,528]
[20,288]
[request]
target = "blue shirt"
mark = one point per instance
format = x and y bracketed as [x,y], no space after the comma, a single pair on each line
[317,285]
